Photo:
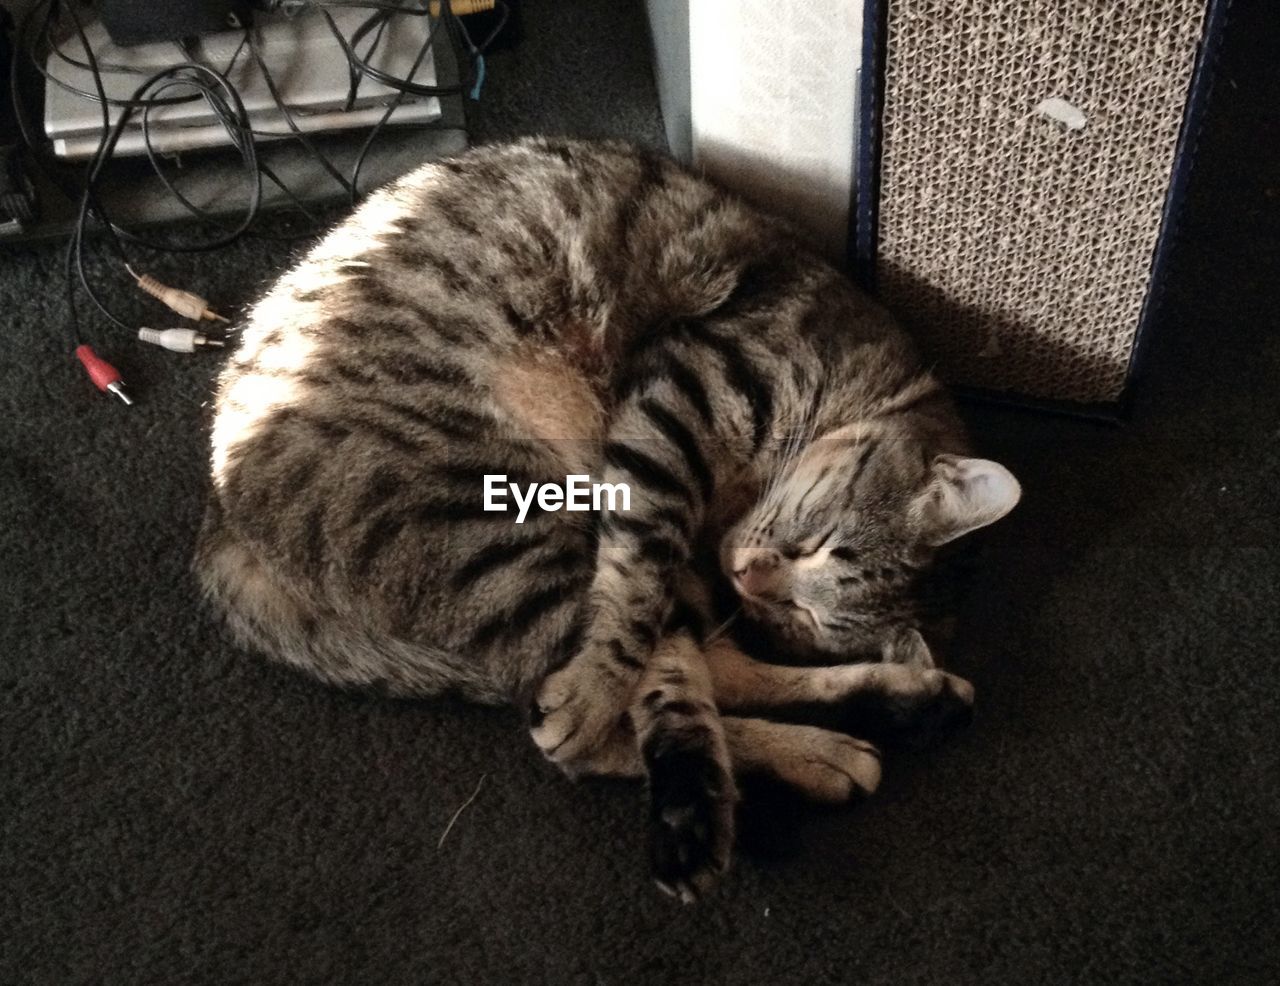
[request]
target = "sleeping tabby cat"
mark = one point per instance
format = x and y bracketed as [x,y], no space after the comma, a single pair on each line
[553,308]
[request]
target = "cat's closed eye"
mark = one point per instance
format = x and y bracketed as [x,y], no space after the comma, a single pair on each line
[807,548]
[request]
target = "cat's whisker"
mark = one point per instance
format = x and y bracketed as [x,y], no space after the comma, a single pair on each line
[723,628]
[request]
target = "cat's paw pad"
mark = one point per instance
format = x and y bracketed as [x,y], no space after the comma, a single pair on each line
[572,715]
[692,800]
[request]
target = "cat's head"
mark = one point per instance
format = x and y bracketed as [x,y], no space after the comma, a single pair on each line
[831,559]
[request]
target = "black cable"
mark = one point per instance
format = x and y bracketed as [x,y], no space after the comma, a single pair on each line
[89,205]
[75,248]
[232,115]
[240,135]
[369,52]
[504,14]
[49,166]
[186,203]
[73,316]
[354,75]
[184,46]
[407,85]
[394,105]
[237,134]
[92,65]
[106,126]
[477,52]
[221,111]
[193,80]
[323,161]
[386,8]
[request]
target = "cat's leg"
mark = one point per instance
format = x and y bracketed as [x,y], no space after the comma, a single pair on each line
[821,764]
[908,701]
[690,755]
[676,738]
[657,445]
[686,758]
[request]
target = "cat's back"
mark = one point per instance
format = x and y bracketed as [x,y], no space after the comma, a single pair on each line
[459,324]
[442,333]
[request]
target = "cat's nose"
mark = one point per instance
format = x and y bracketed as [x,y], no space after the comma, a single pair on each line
[756,572]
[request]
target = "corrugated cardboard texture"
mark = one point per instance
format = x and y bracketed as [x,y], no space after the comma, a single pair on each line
[1017,243]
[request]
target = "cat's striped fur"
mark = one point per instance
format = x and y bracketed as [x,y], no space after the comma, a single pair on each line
[555,307]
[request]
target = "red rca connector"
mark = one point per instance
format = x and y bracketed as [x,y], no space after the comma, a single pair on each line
[104,376]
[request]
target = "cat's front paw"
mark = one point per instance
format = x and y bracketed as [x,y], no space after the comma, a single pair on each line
[575,711]
[827,766]
[936,717]
[692,800]
[919,708]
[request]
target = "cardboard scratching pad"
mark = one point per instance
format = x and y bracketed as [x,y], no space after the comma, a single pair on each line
[1030,164]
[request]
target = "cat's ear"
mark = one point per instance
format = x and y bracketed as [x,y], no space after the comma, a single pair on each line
[963,495]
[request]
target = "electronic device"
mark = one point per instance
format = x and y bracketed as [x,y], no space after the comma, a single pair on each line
[341,69]
[133,22]
[304,59]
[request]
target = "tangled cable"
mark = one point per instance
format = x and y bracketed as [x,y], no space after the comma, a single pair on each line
[191,79]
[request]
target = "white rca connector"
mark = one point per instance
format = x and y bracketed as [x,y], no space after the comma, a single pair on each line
[177,340]
[185,303]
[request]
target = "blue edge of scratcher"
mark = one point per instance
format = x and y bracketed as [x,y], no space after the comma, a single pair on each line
[864,229]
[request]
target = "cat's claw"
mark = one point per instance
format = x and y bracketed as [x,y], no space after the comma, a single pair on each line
[571,717]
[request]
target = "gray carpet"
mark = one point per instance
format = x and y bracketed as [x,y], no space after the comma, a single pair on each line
[173,810]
